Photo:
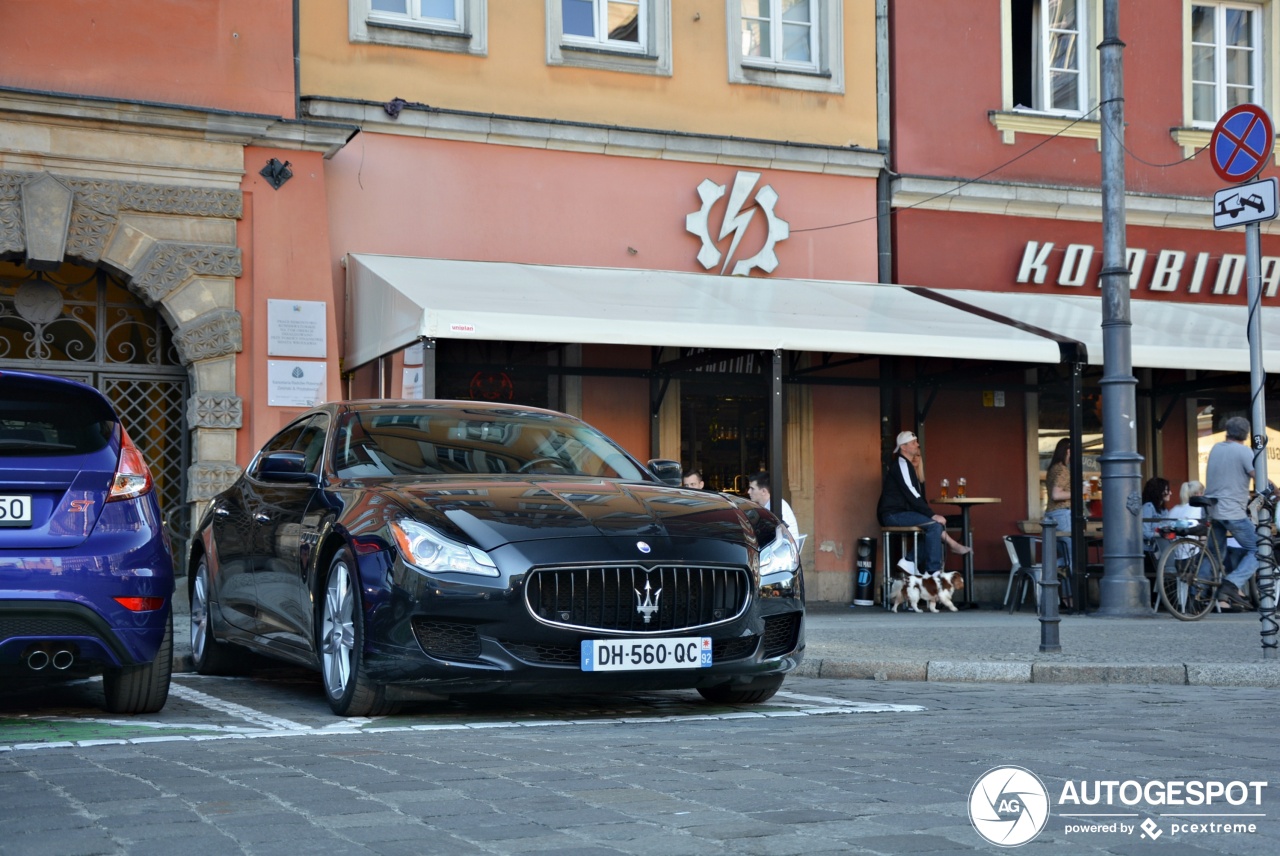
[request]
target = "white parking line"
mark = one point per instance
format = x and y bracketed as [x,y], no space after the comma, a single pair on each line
[248,714]
[860,707]
[263,725]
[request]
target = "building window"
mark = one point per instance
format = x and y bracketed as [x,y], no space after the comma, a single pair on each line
[1226,59]
[616,24]
[780,33]
[1049,49]
[613,35]
[456,26]
[444,14]
[796,44]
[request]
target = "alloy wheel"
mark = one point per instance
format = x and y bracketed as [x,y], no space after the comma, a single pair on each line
[337,631]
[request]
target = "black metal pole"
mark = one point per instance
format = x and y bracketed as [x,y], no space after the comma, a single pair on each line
[1049,619]
[777,465]
[1078,548]
[1261,482]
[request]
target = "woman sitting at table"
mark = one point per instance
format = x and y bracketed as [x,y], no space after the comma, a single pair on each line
[1155,507]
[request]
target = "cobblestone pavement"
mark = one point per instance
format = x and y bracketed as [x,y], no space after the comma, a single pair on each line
[838,766]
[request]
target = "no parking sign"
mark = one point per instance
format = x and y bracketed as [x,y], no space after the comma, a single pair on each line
[1241,143]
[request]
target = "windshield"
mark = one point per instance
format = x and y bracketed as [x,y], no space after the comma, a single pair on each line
[407,440]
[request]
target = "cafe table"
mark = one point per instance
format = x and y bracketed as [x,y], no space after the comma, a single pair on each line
[964,503]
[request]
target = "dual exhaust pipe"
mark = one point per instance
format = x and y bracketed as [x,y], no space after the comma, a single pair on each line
[40,656]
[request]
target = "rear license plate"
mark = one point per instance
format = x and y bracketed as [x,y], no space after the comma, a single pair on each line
[15,510]
[636,655]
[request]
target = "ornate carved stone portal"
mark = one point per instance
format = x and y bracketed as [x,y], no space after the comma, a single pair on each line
[167,243]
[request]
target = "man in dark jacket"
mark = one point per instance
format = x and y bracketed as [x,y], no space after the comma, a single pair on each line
[902,502]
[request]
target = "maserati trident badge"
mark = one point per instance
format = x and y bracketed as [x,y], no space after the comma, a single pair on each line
[648,603]
[643,547]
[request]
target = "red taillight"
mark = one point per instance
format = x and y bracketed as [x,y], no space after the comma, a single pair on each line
[140,604]
[132,478]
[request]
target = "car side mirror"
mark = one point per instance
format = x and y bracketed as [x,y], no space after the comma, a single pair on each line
[286,466]
[667,472]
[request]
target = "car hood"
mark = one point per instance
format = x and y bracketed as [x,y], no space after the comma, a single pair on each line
[505,511]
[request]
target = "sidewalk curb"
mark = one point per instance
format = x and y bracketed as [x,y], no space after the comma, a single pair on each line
[950,671]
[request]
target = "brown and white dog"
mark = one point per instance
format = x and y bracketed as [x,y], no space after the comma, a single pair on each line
[934,588]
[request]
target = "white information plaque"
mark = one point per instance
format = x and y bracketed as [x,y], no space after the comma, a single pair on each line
[412,382]
[296,383]
[296,328]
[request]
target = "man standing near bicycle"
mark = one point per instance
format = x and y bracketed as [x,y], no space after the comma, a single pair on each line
[1227,477]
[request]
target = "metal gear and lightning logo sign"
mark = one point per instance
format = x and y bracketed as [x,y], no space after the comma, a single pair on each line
[735,222]
[1008,806]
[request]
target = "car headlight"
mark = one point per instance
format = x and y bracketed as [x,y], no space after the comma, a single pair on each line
[424,548]
[780,556]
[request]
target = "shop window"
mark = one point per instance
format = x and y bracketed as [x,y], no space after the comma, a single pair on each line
[1211,418]
[793,44]
[503,372]
[724,436]
[456,26]
[1225,59]
[1055,424]
[614,35]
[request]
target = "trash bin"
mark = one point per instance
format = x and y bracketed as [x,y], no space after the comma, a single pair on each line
[865,573]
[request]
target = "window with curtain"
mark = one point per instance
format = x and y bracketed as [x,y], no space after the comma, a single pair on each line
[1050,53]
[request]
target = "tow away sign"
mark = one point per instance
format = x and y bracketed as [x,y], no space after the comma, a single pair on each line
[1245,203]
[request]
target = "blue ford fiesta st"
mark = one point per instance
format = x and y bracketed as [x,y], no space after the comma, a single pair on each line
[86,575]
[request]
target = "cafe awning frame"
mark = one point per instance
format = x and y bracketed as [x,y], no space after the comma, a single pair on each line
[394,300]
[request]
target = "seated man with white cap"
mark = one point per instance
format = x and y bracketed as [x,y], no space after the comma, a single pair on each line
[902,503]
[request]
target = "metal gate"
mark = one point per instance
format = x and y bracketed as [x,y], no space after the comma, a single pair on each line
[85,324]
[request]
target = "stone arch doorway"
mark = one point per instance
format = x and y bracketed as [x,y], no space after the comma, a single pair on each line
[172,247]
[83,323]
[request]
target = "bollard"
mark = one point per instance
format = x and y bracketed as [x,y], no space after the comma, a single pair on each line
[1049,619]
[865,575]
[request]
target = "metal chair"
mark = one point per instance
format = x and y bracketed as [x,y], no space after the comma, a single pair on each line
[1027,566]
[1024,567]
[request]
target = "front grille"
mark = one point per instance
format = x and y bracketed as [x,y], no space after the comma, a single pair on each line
[781,633]
[447,640]
[634,599]
[45,626]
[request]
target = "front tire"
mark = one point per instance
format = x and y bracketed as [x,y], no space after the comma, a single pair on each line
[761,689]
[1184,584]
[340,641]
[145,688]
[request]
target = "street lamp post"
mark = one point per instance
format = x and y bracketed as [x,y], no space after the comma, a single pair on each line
[1123,588]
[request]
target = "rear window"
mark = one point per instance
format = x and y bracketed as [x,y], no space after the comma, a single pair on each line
[40,419]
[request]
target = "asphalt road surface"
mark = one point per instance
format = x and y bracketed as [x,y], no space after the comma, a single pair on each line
[259,765]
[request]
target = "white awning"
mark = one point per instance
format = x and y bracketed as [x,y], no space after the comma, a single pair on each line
[393,300]
[1164,335]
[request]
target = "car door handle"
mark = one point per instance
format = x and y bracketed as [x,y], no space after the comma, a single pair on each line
[221,511]
[262,518]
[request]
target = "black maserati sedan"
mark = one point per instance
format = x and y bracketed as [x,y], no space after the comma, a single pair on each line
[422,550]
